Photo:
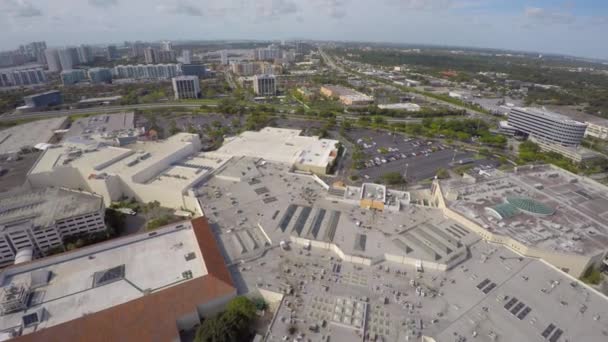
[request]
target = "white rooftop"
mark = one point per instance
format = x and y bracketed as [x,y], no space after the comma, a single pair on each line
[280,145]
[151,263]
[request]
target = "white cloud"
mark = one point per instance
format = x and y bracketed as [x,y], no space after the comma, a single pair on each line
[181,7]
[20,8]
[274,8]
[103,3]
[538,15]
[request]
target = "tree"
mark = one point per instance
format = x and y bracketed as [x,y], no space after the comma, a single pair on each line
[231,325]
[443,173]
[392,178]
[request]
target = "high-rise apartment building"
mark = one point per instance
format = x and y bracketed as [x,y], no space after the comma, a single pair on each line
[100,75]
[112,52]
[34,51]
[224,57]
[70,77]
[265,85]
[143,71]
[67,58]
[166,45]
[186,87]
[40,220]
[136,49]
[85,54]
[186,56]
[22,77]
[52,60]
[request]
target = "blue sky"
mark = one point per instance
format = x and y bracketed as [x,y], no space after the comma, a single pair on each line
[561,26]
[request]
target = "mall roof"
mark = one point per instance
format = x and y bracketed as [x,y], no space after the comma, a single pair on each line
[558,211]
[280,145]
[167,274]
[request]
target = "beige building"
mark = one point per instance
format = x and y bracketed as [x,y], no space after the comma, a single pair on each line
[166,171]
[348,97]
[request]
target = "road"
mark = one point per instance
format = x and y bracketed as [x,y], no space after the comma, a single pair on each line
[101,109]
[332,64]
[116,109]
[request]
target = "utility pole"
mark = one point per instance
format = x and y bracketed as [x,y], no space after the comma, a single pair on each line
[405,174]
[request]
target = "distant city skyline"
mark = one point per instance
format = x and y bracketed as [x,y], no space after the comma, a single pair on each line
[563,27]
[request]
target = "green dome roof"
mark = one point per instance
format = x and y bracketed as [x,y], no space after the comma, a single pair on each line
[530,206]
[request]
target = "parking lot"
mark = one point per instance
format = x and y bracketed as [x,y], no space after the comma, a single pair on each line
[420,158]
[14,170]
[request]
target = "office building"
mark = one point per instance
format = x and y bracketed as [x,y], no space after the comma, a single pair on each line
[194,70]
[100,75]
[52,60]
[347,96]
[143,287]
[47,99]
[67,58]
[85,54]
[147,71]
[70,77]
[186,87]
[186,56]
[40,220]
[112,52]
[550,127]
[265,85]
[224,57]
[21,77]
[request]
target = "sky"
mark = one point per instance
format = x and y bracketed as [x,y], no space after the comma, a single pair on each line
[575,27]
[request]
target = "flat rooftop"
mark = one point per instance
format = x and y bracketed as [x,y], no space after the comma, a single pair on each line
[106,275]
[342,91]
[29,134]
[403,304]
[125,162]
[44,207]
[274,205]
[579,224]
[280,145]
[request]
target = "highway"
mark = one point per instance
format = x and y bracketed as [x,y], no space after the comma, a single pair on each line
[117,109]
[94,110]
